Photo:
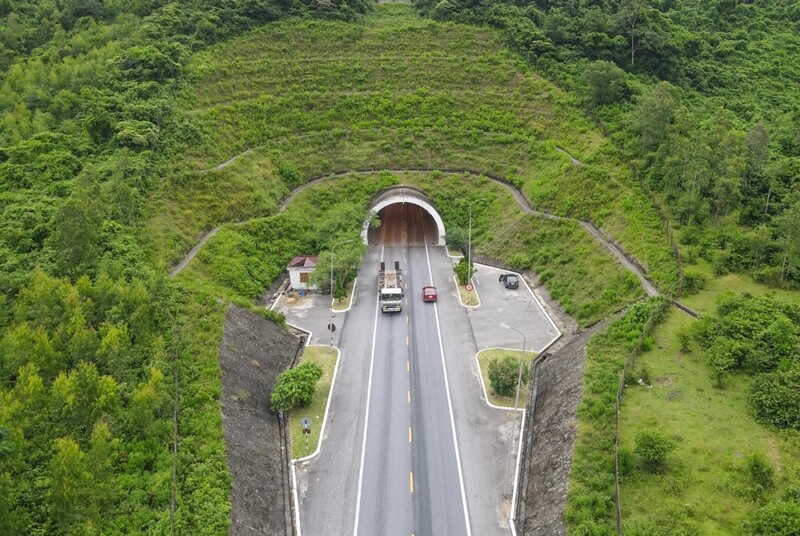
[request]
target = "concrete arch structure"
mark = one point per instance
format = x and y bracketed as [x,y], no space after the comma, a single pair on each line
[405,194]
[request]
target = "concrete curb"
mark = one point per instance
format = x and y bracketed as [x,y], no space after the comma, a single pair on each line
[295,498]
[483,384]
[459,296]
[352,299]
[327,406]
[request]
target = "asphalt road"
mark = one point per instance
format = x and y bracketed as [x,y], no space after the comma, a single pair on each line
[397,427]
[411,481]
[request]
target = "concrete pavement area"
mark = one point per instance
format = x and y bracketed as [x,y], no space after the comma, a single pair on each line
[312,313]
[328,484]
[517,308]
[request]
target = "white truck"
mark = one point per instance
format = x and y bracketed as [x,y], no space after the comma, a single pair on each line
[390,288]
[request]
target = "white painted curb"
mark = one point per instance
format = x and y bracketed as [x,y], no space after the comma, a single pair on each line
[314,454]
[483,384]
[352,299]
[459,296]
[327,406]
[512,513]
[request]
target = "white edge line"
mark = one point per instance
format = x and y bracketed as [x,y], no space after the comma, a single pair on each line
[483,385]
[458,291]
[366,415]
[352,299]
[449,405]
[296,501]
[327,405]
[275,303]
[512,514]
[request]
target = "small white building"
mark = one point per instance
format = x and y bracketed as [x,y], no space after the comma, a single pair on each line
[300,268]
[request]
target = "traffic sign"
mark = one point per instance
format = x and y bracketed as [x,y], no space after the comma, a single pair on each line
[331,327]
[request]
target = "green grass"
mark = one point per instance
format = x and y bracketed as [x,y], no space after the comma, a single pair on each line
[396,92]
[484,357]
[705,302]
[590,496]
[305,444]
[589,283]
[703,489]
[469,298]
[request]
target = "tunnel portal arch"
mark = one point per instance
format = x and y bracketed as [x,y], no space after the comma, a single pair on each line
[405,194]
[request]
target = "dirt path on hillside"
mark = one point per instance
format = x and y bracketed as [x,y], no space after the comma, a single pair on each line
[628,261]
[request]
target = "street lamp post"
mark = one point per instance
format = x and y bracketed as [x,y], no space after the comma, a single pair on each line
[516,397]
[330,327]
[469,238]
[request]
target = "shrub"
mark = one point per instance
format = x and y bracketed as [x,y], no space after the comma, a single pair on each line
[778,518]
[463,269]
[653,447]
[776,398]
[684,338]
[693,282]
[625,461]
[456,238]
[761,475]
[295,387]
[290,174]
[504,372]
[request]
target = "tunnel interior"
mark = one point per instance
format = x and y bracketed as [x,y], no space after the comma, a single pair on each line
[404,224]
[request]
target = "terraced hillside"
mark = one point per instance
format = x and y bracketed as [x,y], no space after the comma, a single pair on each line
[295,100]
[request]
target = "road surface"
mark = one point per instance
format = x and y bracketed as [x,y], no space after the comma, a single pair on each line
[411,480]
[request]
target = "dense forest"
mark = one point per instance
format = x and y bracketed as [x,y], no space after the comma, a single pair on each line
[90,329]
[701,98]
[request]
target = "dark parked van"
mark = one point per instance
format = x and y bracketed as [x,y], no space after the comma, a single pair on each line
[509,280]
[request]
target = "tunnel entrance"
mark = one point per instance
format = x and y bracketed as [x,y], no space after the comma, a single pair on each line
[404,224]
[407,219]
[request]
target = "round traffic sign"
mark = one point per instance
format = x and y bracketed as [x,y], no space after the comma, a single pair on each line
[468,287]
[331,327]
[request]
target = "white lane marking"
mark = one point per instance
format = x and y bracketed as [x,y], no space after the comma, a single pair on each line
[512,518]
[450,405]
[366,417]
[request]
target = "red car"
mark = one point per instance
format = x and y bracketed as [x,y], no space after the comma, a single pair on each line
[429,294]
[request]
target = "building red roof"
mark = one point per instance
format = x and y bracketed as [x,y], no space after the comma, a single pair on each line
[303,261]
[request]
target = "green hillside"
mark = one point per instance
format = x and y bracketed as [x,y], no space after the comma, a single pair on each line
[129,130]
[303,99]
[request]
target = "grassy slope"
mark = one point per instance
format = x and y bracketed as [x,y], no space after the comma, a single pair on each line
[395,92]
[703,490]
[588,282]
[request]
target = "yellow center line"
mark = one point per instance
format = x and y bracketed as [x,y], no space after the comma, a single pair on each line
[411,482]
